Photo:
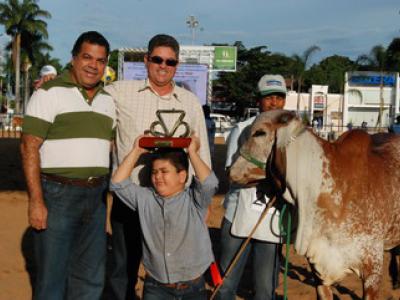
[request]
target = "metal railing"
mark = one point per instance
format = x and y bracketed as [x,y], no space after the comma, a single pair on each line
[332,132]
[10,126]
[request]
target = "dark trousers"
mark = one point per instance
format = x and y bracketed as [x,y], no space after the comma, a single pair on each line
[126,251]
[265,265]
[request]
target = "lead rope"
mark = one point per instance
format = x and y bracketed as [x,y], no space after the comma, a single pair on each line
[243,247]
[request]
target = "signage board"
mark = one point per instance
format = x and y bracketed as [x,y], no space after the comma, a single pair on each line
[372,80]
[225,58]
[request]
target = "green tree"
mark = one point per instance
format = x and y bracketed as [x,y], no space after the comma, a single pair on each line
[330,71]
[241,86]
[113,61]
[18,19]
[393,55]
[299,67]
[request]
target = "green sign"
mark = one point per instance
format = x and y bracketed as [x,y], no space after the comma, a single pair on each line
[225,58]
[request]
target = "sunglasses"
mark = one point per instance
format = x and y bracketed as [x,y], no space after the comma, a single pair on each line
[159,60]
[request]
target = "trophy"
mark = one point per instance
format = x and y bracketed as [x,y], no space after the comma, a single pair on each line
[166,138]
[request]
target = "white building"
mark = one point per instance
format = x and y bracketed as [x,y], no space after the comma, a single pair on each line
[319,105]
[360,105]
[364,98]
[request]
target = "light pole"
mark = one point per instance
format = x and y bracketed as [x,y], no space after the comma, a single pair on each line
[192,23]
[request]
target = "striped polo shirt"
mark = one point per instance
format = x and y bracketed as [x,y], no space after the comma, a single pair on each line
[76,134]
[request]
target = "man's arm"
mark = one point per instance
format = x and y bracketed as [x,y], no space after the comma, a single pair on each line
[125,169]
[37,210]
[201,169]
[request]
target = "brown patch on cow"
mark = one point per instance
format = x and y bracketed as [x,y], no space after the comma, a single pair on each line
[361,167]
[331,210]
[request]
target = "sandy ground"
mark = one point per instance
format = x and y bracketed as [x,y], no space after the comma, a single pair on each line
[16,267]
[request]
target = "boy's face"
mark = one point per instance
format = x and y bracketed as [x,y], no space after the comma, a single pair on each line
[166,179]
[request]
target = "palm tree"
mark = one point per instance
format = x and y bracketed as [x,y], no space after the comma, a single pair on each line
[376,60]
[299,67]
[19,18]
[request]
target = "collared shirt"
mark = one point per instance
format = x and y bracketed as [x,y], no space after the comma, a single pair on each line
[137,104]
[176,242]
[241,204]
[76,132]
[235,140]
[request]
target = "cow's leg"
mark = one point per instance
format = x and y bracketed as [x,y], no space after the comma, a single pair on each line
[324,292]
[372,275]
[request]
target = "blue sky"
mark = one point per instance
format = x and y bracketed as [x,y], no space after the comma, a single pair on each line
[343,27]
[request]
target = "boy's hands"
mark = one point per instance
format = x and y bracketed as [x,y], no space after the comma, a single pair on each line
[201,170]
[139,150]
[124,170]
[194,145]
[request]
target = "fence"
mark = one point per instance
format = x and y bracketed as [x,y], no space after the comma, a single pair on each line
[10,126]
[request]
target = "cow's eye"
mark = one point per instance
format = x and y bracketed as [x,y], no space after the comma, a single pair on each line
[259,133]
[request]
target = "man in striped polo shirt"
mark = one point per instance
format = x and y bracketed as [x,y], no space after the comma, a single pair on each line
[67,133]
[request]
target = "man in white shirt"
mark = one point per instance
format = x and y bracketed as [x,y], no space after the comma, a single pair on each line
[265,245]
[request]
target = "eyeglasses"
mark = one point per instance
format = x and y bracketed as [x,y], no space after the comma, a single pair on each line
[159,60]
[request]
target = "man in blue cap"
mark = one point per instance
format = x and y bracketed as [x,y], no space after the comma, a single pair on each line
[240,218]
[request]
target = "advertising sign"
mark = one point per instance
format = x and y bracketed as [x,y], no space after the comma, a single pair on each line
[371,79]
[319,101]
[225,58]
[190,77]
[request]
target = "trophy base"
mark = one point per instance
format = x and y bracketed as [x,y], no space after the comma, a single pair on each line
[164,142]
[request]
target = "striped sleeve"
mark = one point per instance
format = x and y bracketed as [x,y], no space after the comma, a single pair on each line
[40,114]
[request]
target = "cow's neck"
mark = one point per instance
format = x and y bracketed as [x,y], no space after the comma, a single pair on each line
[304,179]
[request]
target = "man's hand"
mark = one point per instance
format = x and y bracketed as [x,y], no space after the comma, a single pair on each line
[37,211]
[37,214]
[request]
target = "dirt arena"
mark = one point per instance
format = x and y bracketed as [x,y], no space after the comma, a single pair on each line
[17,268]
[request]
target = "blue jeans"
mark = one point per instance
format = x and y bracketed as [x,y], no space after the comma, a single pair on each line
[265,265]
[70,254]
[126,251]
[153,290]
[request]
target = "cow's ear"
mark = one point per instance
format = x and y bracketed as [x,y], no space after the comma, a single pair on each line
[286,117]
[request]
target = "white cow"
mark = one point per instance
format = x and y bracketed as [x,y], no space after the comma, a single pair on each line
[347,194]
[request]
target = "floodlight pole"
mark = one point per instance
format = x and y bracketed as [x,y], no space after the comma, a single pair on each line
[192,23]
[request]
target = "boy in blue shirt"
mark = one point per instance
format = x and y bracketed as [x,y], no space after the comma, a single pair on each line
[176,243]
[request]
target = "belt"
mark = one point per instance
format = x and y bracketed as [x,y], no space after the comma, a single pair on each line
[178,285]
[87,182]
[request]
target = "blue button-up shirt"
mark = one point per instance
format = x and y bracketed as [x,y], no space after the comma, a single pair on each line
[176,242]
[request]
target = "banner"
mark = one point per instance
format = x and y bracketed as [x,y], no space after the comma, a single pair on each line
[225,58]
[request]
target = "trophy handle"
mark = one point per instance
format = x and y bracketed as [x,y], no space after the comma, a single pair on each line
[153,130]
[187,129]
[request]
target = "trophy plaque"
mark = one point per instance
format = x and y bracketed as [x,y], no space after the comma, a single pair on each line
[165,138]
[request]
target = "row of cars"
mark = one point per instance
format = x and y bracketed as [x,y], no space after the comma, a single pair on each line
[225,123]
